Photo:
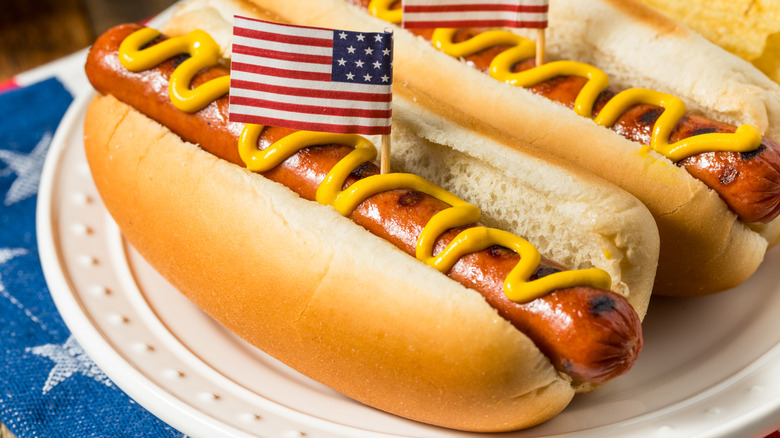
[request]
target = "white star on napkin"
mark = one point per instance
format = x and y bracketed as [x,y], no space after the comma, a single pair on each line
[69,358]
[7,254]
[27,167]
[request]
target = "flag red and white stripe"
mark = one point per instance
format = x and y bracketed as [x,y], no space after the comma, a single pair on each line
[474,13]
[311,79]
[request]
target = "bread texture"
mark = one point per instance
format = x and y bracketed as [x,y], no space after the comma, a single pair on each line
[569,215]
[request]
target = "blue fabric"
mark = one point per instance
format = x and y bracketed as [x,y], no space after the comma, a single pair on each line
[48,386]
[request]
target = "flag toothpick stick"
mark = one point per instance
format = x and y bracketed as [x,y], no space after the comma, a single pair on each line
[384,155]
[540,43]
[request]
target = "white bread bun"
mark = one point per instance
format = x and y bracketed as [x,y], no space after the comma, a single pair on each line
[345,307]
[704,247]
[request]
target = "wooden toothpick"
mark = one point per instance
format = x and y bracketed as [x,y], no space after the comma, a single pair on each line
[540,43]
[384,155]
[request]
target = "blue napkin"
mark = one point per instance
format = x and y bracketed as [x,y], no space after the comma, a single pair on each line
[48,386]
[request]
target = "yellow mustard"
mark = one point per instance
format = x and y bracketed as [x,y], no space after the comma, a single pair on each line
[746,138]
[460,213]
[203,51]
[381,9]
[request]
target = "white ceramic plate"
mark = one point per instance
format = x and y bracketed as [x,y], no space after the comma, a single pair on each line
[710,366]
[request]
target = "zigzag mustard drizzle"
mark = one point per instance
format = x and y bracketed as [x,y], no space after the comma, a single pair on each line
[746,138]
[204,53]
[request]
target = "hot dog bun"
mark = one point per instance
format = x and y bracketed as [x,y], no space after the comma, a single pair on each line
[347,308]
[705,248]
[326,297]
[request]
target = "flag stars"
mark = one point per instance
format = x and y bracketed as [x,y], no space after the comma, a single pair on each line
[363,58]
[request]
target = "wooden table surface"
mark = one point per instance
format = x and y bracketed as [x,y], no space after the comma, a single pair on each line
[33,33]
[36,32]
[4,433]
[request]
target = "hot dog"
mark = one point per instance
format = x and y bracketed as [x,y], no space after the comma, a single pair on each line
[715,211]
[309,287]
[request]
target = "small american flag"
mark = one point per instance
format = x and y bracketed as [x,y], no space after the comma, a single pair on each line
[310,78]
[474,13]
